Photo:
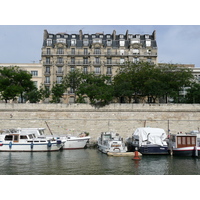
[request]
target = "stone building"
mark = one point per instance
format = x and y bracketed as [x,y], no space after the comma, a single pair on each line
[99,53]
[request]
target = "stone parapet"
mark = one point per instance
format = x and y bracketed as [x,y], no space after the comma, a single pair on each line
[121,118]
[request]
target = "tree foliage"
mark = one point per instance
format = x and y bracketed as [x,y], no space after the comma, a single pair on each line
[14,82]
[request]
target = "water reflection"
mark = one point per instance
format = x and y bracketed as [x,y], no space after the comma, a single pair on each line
[92,162]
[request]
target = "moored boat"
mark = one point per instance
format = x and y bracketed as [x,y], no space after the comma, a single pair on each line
[111,142]
[21,142]
[148,141]
[184,145]
[70,142]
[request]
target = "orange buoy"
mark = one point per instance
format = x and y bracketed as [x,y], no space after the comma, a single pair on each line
[136,156]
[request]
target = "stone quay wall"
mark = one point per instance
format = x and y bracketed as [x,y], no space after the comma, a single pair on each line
[121,118]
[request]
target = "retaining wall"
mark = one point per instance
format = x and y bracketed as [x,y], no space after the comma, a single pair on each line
[121,118]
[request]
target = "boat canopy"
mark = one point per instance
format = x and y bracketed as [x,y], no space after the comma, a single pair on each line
[150,136]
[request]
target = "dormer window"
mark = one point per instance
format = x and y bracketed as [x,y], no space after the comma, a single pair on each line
[108,36]
[133,41]
[73,36]
[137,36]
[50,36]
[49,42]
[146,36]
[109,42]
[121,43]
[65,36]
[97,40]
[85,42]
[148,43]
[121,36]
[57,36]
[73,42]
[85,36]
[61,40]
[101,36]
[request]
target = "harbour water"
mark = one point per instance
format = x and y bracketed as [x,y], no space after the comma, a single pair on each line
[93,162]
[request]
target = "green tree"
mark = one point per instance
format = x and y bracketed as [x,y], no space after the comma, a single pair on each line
[57,92]
[193,93]
[73,80]
[14,82]
[97,88]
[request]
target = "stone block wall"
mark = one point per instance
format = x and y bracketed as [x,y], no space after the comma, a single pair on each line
[121,118]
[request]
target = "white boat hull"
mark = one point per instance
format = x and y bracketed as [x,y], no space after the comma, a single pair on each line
[75,143]
[29,146]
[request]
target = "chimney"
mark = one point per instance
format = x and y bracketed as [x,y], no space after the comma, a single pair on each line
[114,35]
[80,35]
[45,35]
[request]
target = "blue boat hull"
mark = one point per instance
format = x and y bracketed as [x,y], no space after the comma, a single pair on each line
[154,150]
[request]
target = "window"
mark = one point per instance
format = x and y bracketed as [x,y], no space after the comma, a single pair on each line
[73,42]
[34,73]
[109,42]
[109,51]
[47,70]
[85,42]
[108,36]
[47,79]
[61,40]
[85,51]
[109,61]
[97,60]
[65,36]
[73,51]
[133,41]
[47,60]
[97,70]
[72,60]
[59,79]
[8,137]
[135,60]
[97,40]
[49,42]
[23,137]
[148,43]
[85,70]
[121,43]
[85,60]
[60,51]
[121,60]
[57,36]
[85,36]
[97,51]
[60,60]
[48,51]
[109,70]
[121,36]
[60,69]
[73,36]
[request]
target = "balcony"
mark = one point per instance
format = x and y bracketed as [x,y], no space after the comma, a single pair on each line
[59,73]
[61,63]
[47,63]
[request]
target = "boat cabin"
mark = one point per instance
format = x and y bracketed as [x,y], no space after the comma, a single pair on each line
[18,137]
[184,140]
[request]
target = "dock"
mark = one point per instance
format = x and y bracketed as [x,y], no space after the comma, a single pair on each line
[123,154]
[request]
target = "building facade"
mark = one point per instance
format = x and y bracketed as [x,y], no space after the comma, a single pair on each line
[99,53]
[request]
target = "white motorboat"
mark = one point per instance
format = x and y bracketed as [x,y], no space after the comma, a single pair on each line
[70,142]
[15,141]
[111,142]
